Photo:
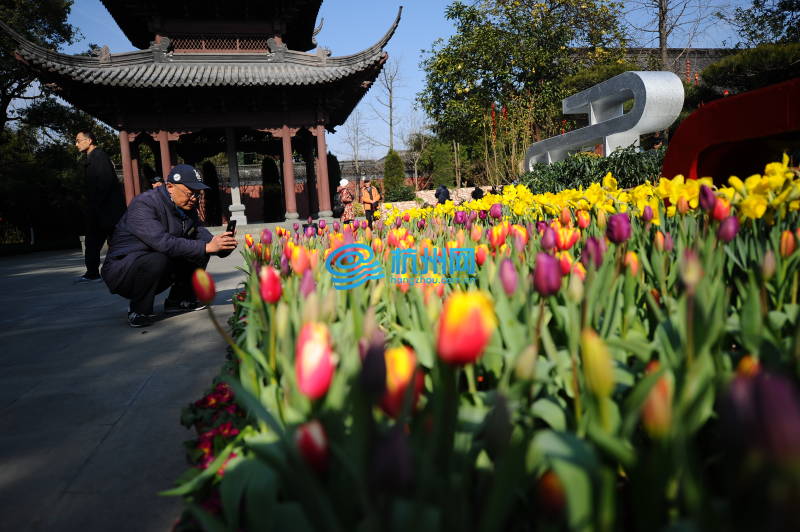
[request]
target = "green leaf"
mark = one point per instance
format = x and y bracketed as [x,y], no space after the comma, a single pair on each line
[290,516]
[208,522]
[421,343]
[550,413]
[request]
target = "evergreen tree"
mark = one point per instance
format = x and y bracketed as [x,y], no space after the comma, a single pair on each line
[394,179]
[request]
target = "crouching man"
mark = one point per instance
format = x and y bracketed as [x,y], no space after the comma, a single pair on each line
[158,244]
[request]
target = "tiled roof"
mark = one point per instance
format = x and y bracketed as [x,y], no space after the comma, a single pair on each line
[156,67]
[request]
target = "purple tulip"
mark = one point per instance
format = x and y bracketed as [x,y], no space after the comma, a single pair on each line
[460,217]
[541,226]
[364,224]
[619,228]
[482,215]
[508,276]
[307,284]
[284,265]
[336,227]
[647,213]
[707,198]
[398,222]
[296,227]
[310,232]
[323,224]
[546,275]
[266,237]
[310,220]
[728,229]
[421,224]
[548,239]
[377,226]
[469,225]
[496,211]
[669,243]
[472,216]
[593,252]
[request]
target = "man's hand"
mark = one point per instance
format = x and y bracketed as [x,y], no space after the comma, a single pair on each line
[221,242]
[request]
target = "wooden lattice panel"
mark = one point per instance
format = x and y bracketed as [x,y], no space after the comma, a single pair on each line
[188,45]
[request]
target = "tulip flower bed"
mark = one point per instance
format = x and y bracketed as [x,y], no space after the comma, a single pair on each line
[619,359]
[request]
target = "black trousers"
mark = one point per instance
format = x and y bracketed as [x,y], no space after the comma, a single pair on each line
[153,273]
[96,235]
[370,214]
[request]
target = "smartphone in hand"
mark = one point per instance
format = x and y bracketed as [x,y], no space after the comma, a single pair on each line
[231,227]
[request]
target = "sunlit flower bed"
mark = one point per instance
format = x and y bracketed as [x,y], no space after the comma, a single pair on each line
[616,359]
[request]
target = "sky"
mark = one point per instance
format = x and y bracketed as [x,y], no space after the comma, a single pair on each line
[350,26]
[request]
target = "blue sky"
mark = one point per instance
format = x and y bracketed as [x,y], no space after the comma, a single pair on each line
[350,26]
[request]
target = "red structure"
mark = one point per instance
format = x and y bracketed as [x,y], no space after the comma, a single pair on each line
[736,134]
[212,78]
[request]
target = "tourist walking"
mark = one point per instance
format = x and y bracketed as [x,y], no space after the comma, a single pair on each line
[346,197]
[105,202]
[371,198]
[158,244]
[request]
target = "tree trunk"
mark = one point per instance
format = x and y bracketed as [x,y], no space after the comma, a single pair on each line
[663,11]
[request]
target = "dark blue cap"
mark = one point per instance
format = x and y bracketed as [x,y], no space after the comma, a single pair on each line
[186,175]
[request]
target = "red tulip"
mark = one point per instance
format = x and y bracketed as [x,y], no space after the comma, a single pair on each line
[722,209]
[550,494]
[203,286]
[583,219]
[314,360]
[466,324]
[401,363]
[481,251]
[657,408]
[270,284]
[566,217]
[312,444]
[248,239]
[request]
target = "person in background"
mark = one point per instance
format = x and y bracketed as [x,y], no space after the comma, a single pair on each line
[371,198]
[442,194]
[158,244]
[105,202]
[477,193]
[346,198]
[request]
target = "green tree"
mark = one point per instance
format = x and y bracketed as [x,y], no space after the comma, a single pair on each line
[766,22]
[522,50]
[43,22]
[394,174]
[438,162]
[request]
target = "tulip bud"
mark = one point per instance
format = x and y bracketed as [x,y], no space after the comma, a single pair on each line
[707,198]
[691,270]
[496,211]
[466,324]
[768,265]
[583,219]
[266,237]
[748,366]
[722,209]
[658,241]
[482,215]
[476,233]
[314,360]
[788,243]
[683,205]
[657,408]
[601,218]
[575,289]
[310,232]
[203,286]
[550,494]
[323,224]
[546,275]
[336,227]
[307,284]
[300,260]
[282,319]
[728,229]
[548,239]
[401,369]
[593,252]
[647,214]
[460,217]
[525,366]
[421,224]
[668,242]
[566,217]
[312,444]
[619,228]
[296,226]
[481,252]
[284,266]
[269,284]
[508,276]
[598,369]
[632,262]
[248,240]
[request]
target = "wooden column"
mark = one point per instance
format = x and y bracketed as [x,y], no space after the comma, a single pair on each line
[236,208]
[137,179]
[127,173]
[323,182]
[166,160]
[288,175]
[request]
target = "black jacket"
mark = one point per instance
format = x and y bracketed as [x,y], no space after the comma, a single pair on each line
[106,200]
[154,223]
[442,194]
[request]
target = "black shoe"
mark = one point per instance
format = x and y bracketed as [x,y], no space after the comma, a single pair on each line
[89,278]
[139,320]
[185,305]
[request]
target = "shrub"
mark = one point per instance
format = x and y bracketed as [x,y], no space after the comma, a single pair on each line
[629,166]
[754,68]
[394,175]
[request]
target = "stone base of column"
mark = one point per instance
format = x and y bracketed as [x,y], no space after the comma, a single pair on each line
[325,214]
[237,213]
[292,216]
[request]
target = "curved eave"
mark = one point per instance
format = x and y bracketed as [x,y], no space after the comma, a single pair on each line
[149,68]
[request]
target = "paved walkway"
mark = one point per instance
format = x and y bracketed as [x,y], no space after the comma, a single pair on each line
[90,408]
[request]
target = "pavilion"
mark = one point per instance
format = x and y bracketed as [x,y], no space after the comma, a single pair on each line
[211,77]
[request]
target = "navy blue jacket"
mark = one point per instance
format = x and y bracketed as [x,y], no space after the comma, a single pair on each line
[153,223]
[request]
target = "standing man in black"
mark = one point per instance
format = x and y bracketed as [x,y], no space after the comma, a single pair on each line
[105,202]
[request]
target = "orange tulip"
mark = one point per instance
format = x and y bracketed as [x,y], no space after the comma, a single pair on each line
[466,324]
[788,243]
[300,260]
[476,233]
[566,237]
[632,262]
[401,363]
[657,408]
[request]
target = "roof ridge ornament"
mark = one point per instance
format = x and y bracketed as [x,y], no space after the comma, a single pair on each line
[160,47]
[278,48]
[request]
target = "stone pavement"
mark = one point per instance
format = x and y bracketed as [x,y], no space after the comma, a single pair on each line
[89,407]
